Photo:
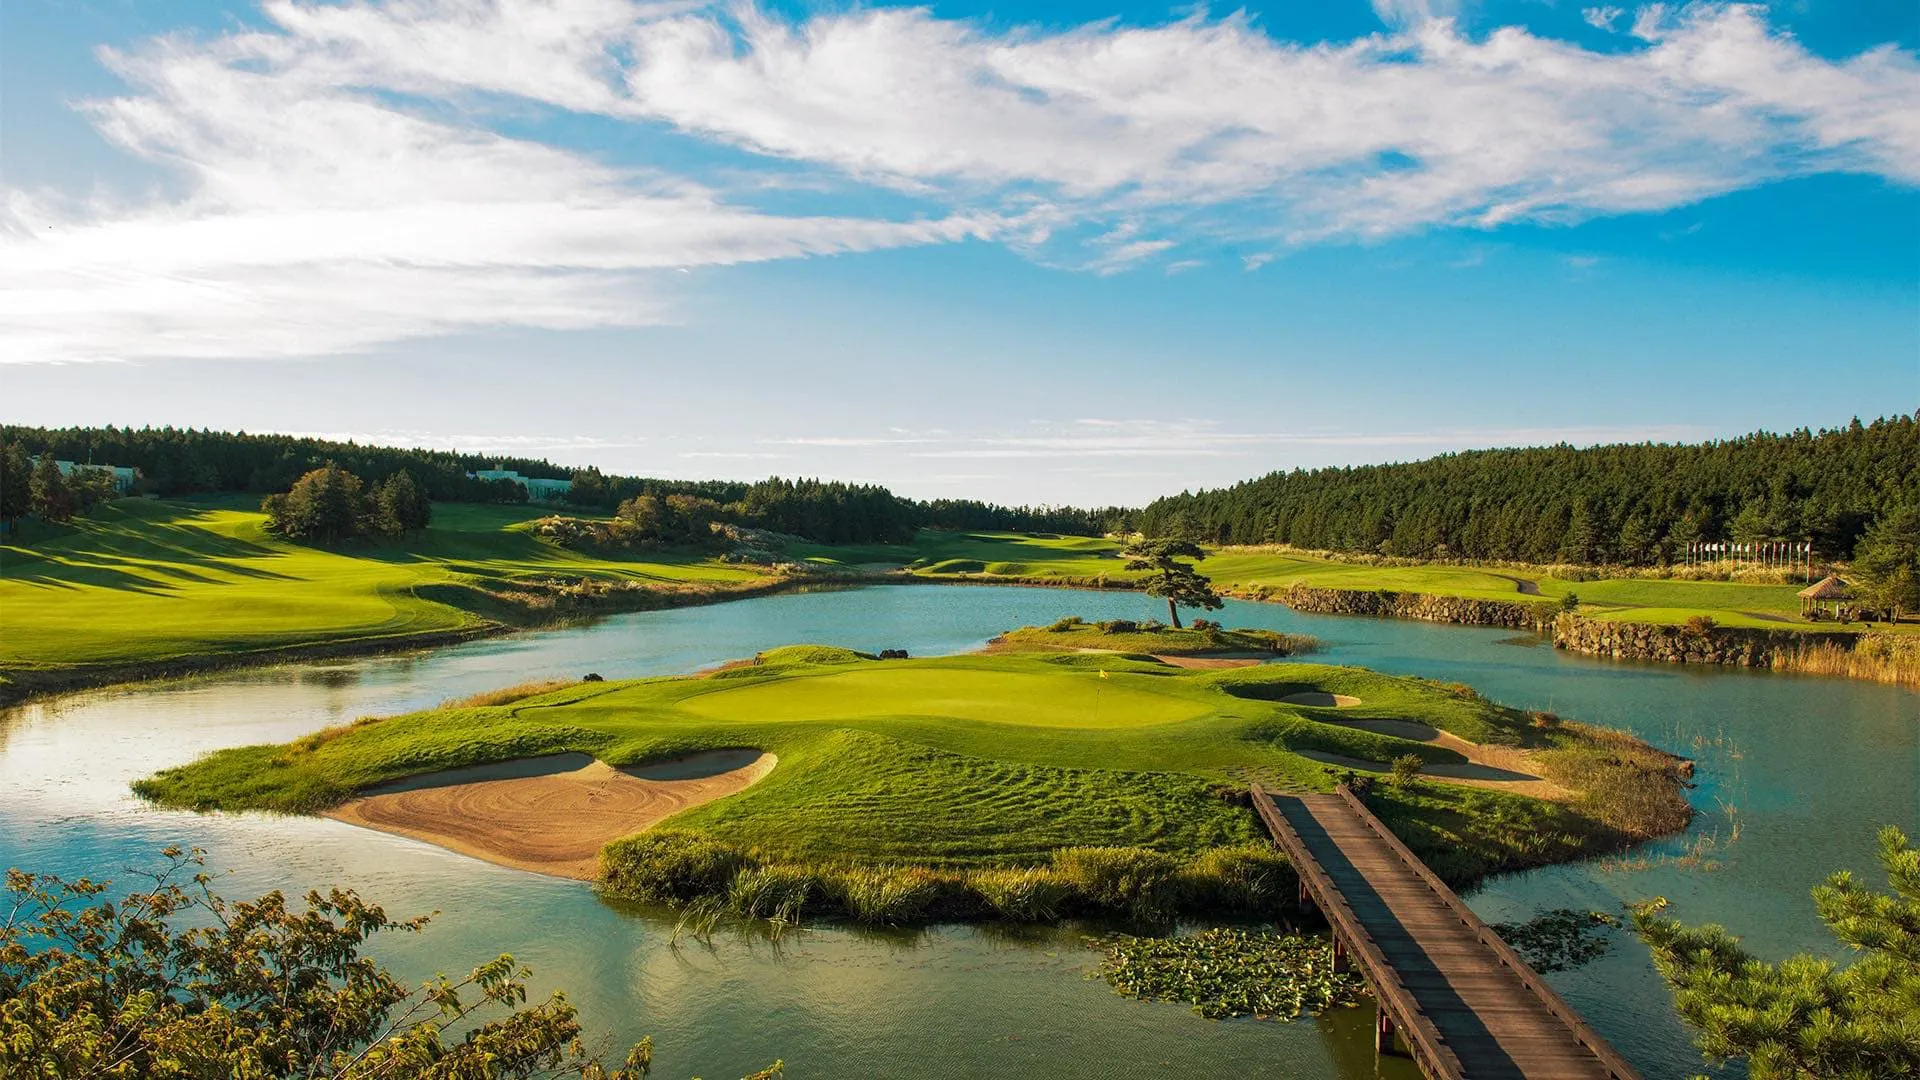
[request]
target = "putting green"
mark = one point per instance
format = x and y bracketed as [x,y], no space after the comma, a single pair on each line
[989,759]
[1076,698]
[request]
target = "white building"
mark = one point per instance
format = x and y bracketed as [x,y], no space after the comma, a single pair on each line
[123,477]
[538,489]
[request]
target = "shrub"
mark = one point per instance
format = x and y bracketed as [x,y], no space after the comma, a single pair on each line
[1253,879]
[1570,602]
[1701,625]
[1138,881]
[780,893]
[1118,626]
[1545,720]
[1063,625]
[1405,769]
[1035,894]
[887,894]
[669,867]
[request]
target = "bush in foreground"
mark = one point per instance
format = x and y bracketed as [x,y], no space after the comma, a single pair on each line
[1807,1016]
[95,987]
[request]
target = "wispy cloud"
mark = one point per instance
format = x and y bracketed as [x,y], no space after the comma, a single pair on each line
[343,176]
[1200,438]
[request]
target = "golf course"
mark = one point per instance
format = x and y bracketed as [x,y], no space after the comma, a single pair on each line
[151,581]
[151,586]
[950,767]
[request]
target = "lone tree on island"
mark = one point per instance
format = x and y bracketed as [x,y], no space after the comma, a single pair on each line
[1176,582]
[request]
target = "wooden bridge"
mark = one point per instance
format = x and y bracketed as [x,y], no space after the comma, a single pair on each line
[1460,999]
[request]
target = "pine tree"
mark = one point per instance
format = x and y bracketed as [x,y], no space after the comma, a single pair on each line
[1178,583]
[403,506]
[50,497]
[1807,1017]
[1888,563]
[16,484]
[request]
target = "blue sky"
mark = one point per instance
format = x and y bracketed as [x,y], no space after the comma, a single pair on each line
[1066,252]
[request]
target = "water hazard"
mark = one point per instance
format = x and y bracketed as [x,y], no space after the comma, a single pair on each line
[1795,774]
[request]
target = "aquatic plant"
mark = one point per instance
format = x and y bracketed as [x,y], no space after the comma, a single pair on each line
[1560,939]
[1225,972]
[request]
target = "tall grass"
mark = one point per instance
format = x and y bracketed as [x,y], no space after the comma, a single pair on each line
[1881,657]
[702,877]
[507,695]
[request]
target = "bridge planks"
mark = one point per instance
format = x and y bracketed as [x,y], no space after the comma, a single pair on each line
[1466,1005]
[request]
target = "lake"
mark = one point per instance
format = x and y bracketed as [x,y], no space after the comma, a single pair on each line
[1794,776]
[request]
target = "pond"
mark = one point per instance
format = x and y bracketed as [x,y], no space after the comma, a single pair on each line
[1795,774]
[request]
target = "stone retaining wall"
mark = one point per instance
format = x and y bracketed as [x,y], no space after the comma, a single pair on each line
[1737,646]
[1407,605]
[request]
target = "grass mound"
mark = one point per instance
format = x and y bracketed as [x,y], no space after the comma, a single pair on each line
[1016,784]
[1152,638]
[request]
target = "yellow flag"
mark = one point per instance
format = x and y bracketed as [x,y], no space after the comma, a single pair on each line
[1103,673]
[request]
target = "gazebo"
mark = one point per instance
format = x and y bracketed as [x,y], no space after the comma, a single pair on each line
[1829,590]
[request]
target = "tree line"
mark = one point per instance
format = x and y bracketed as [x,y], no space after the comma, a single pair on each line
[181,461]
[1630,504]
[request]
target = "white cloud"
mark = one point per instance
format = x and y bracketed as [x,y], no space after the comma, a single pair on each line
[1420,127]
[341,181]
[318,217]
[1199,438]
[1602,18]
[1403,12]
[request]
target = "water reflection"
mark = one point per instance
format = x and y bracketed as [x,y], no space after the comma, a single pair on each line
[1806,768]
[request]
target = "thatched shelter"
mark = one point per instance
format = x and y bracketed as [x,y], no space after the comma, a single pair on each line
[1829,590]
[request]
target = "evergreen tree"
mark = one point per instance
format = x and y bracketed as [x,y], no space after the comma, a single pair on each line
[1887,565]
[50,497]
[16,484]
[1807,1017]
[326,505]
[404,508]
[1178,583]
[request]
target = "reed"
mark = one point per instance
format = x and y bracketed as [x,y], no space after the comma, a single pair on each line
[1879,656]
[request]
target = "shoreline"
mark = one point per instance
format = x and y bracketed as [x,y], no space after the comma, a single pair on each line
[1795,651]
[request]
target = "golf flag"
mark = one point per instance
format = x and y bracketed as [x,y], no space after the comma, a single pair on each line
[1103,673]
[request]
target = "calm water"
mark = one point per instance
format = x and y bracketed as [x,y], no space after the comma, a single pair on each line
[1801,770]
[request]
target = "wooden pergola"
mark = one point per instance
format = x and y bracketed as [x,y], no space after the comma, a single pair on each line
[1829,591]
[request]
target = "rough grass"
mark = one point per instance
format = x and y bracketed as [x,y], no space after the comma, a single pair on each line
[1121,779]
[1092,560]
[150,581]
[1151,639]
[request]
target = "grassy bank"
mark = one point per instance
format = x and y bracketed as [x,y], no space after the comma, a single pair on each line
[952,777]
[149,583]
[1257,571]
[1073,634]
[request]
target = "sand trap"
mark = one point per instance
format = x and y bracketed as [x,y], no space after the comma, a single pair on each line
[1502,768]
[552,814]
[1321,700]
[1207,663]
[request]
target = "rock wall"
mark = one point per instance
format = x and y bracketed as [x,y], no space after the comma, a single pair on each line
[1407,605]
[1737,646]
[1734,645]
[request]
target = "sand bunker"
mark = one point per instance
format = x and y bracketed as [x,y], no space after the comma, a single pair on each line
[1501,768]
[1321,700]
[1207,663]
[552,814]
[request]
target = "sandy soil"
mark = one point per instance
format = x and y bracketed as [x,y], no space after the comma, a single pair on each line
[1206,662]
[1499,768]
[1321,700]
[549,815]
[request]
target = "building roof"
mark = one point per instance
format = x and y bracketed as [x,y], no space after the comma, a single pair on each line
[1827,588]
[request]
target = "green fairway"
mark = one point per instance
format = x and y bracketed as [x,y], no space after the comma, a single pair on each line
[144,580]
[976,760]
[937,554]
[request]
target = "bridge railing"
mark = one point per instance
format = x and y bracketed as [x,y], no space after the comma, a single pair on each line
[1429,1050]
[1616,1065]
